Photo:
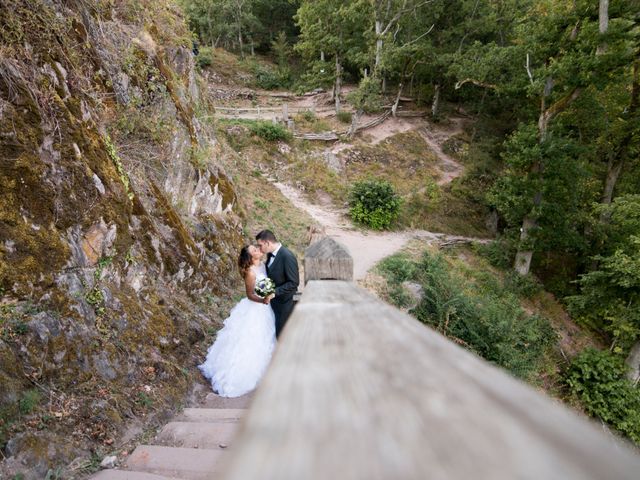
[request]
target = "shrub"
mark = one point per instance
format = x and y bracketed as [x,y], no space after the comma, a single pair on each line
[344,116]
[270,131]
[483,316]
[272,79]
[597,379]
[205,57]
[308,116]
[29,401]
[523,285]
[397,268]
[500,253]
[374,203]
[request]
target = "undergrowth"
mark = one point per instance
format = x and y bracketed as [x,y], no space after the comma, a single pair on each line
[475,309]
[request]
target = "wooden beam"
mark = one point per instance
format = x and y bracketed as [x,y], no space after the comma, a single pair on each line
[359,390]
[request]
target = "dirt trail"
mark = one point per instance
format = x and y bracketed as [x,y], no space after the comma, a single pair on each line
[367,248]
[449,166]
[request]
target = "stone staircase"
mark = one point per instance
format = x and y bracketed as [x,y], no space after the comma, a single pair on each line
[189,447]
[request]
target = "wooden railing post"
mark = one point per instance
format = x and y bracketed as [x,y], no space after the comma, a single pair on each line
[327,259]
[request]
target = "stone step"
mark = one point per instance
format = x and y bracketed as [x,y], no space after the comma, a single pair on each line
[184,463]
[217,415]
[216,401]
[128,475]
[197,435]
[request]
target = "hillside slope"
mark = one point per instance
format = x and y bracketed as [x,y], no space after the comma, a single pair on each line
[116,220]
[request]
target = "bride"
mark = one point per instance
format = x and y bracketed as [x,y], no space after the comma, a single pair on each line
[238,358]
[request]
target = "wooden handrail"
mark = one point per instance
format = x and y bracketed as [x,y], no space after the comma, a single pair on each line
[359,390]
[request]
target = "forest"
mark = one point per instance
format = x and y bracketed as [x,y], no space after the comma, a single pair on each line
[553,86]
[494,194]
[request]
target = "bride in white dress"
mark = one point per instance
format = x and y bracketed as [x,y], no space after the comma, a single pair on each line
[242,350]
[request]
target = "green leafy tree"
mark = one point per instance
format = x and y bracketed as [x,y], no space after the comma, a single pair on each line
[609,298]
[334,28]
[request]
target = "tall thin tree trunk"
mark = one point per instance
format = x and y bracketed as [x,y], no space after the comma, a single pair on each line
[378,26]
[435,105]
[522,263]
[633,361]
[394,109]
[603,24]
[617,160]
[338,84]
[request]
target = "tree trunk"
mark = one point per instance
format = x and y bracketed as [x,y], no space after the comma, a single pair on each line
[603,24]
[240,41]
[616,161]
[435,105]
[395,104]
[322,55]
[522,262]
[338,84]
[354,123]
[378,46]
[633,362]
[384,85]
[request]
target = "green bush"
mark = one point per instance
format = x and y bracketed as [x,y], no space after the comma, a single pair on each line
[500,253]
[205,57]
[597,379]
[397,268]
[344,116]
[308,116]
[29,401]
[374,203]
[272,79]
[523,285]
[270,131]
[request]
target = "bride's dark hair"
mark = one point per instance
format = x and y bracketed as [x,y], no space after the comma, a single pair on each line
[244,260]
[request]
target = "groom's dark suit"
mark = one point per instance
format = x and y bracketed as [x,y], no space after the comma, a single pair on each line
[284,273]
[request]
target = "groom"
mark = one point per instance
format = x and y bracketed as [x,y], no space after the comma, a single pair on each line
[282,268]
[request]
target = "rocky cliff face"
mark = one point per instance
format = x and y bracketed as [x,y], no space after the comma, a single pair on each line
[116,223]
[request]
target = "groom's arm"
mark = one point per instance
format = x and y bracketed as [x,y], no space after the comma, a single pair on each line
[292,278]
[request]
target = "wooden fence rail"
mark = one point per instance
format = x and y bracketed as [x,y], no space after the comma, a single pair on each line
[359,390]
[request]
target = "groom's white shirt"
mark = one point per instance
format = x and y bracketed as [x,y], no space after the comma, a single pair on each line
[273,255]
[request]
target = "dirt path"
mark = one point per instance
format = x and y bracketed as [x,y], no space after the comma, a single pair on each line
[448,165]
[367,248]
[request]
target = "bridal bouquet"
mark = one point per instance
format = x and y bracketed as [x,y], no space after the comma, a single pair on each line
[265,287]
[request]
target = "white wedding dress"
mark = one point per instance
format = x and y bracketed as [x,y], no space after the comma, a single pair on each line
[242,350]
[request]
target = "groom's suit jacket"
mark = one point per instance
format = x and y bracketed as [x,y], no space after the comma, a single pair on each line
[284,273]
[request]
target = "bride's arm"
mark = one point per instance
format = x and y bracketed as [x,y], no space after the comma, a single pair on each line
[249,284]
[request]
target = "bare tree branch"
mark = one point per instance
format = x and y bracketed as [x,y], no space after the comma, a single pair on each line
[475,82]
[527,66]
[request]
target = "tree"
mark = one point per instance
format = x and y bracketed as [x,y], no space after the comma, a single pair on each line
[336,28]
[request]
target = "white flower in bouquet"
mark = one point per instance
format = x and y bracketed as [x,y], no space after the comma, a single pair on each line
[265,287]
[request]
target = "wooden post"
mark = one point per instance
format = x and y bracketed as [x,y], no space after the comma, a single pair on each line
[285,112]
[358,390]
[327,259]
